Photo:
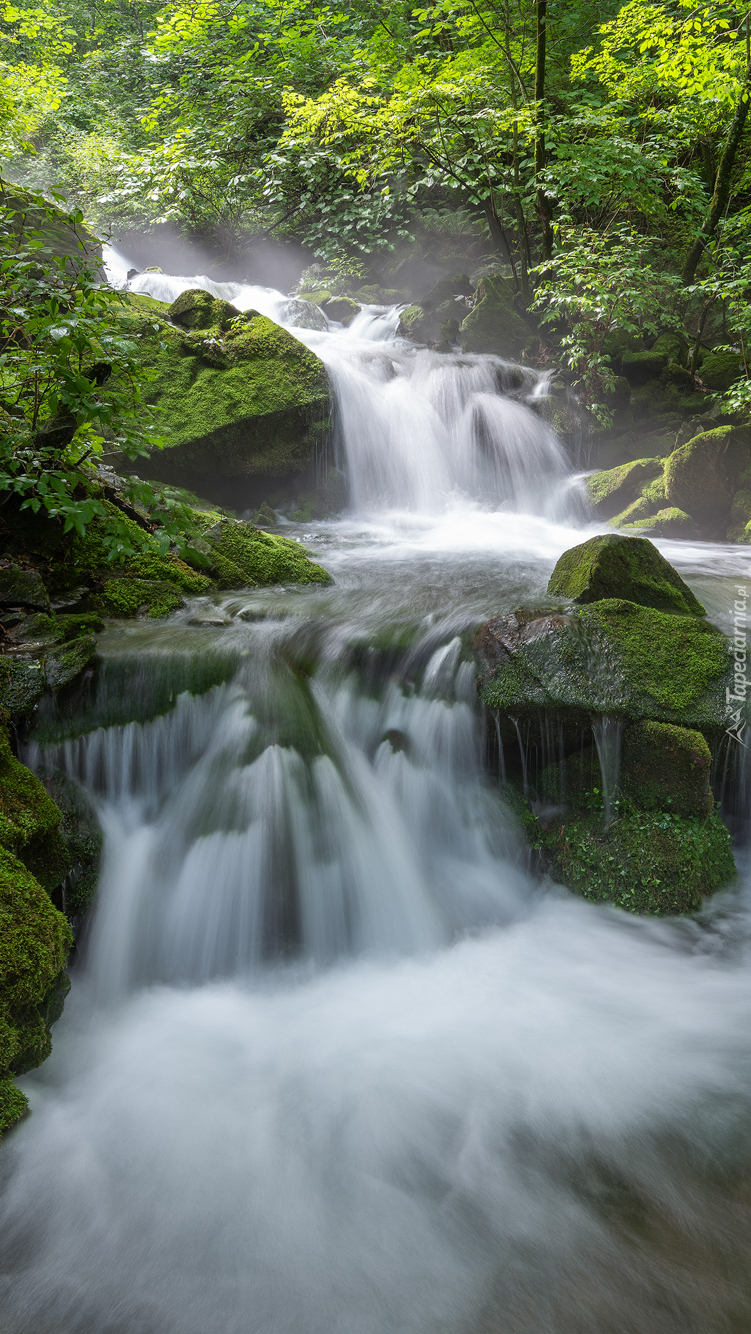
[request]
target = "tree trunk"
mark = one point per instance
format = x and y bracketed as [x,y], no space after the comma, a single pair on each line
[543,203]
[719,201]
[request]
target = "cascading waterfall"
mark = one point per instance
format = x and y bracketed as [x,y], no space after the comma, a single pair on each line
[334,1062]
[415,429]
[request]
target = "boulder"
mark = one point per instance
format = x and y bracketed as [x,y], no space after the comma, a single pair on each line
[669,522]
[28,216]
[641,365]
[237,406]
[23,588]
[610,491]
[608,658]
[493,324]
[615,566]
[342,309]
[666,768]
[196,309]
[720,369]
[700,476]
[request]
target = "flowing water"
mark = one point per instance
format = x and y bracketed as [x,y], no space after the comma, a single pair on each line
[335,1061]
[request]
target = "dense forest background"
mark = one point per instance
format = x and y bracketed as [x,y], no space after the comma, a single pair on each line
[595,154]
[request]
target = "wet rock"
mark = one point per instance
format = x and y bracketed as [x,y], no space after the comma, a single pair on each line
[342,309]
[615,566]
[608,658]
[639,366]
[209,618]
[667,522]
[23,588]
[64,664]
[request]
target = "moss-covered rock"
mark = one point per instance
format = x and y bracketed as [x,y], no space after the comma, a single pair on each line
[196,309]
[83,838]
[700,476]
[342,309]
[614,566]
[611,657]
[720,369]
[246,401]
[29,217]
[666,768]
[667,522]
[23,588]
[34,943]
[641,365]
[493,324]
[261,558]
[643,862]
[30,821]
[612,490]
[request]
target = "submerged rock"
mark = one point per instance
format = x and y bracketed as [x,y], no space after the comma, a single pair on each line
[614,566]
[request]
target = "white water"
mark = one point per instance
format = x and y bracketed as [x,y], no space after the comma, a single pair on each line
[335,1063]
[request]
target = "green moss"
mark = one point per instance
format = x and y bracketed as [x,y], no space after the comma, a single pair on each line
[13,1104]
[617,658]
[654,491]
[85,623]
[666,522]
[267,558]
[196,309]
[641,508]
[22,685]
[666,768]
[65,663]
[614,566]
[149,565]
[34,943]
[674,660]
[610,491]
[30,820]
[643,862]
[252,401]
[720,369]
[83,837]
[641,365]
[128,597]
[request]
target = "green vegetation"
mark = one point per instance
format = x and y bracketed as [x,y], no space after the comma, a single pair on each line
[630,568]
[666,768]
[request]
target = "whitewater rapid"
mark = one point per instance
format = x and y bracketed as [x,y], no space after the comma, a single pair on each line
[335,1060]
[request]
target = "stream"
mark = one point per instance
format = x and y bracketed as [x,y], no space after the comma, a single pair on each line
[335,1061]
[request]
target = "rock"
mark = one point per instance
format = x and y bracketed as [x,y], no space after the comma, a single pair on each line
[674,345]
[700,476]
[47,222]
[666,768]
[610,657]
[251,402]
[720,369]
[211,619]
[380,296]
[245,555]
[22,685]
[23,588]
[34,943]
[493,324]
[412,324]
[64,664]
[610,491]
[740,516]
[196,309]
[670,522]
[342,309]
[614,566]
[266,515]
[642,863]
[641,365]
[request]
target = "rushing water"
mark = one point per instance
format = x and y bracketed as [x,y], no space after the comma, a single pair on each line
[334,1061]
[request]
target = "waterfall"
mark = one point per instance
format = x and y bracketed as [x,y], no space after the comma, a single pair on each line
[265,821]
[607,733]
[416,430]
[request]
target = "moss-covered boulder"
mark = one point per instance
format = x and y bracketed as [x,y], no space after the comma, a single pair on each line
[240,402]
[701,476]
[656,863]
[608,658]
[615,566]
[666,768]
[341,309]
[36,218]
[30,821]
[34,943]
[243,554]
[720,369]
[23,588]
[667,522]
[611,491]
[494,324]
[641,365]
[197,309]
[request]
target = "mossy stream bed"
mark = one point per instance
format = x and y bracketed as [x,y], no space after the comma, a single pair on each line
[342,1055]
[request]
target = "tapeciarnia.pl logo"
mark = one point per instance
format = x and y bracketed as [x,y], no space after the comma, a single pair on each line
[736,698]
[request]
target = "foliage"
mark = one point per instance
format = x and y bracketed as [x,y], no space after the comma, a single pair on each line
[70,375]
[597,284]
